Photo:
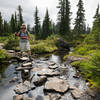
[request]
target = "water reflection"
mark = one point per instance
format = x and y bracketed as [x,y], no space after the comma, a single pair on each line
[55,59]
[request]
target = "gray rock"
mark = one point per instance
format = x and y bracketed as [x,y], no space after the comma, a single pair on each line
[27,64]
[24,59]
[36,69]
[23,68]
[56,84]
[53,66]
[18,97]
[11,51]
[13,80]
[1,47]
[51,63]
[48,72]
[76,93]
[41,80]
[27,98]
[52,97]
[24,87]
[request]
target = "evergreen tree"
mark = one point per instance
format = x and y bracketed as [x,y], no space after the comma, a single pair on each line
[1,24]
[46,26]
[12,23]
[61,17]
[64,17]
[88,29]
[67,17]
[37,24]
[16,23]
[28,28]
[20,17]
[80,19]
[6,27]
[96,29]
[97,13]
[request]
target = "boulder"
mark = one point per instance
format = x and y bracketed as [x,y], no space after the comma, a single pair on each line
[18,97]
[41,80]
[74,58]
[48,72]
[13,80]
[53,66]
[52,97]
[11,51]
[23,68]
[36,69]
[76,93]
[1,47]
[27,64]
[24,59]
[51,63]
[57,85]
[24,87]
[27,98]
[63,44]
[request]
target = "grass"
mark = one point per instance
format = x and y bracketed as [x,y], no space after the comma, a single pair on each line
[3,55]
[45,46]
[90,68]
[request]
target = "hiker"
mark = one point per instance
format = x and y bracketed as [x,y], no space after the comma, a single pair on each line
[24,40]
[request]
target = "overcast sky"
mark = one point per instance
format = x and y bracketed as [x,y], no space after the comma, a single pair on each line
[7,7]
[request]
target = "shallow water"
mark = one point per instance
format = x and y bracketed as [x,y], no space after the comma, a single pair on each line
[6,88]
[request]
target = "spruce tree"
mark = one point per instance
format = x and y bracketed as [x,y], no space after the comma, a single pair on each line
[6,27]
[20,17]
[37,24]
[80,19]
[16,23]
[12,23]
[28,28]
[64,17]
[61,17]
[97,13]
[46,26]
[1,24]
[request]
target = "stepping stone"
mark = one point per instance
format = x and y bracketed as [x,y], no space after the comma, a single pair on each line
[48,72]
[76,93]
[57,85]
[23,68]
[27,98]
[24,87]
[52,97]
[40,81]
[36,69]
[51,63]
[13,80]
[24,59]
[18,97]
[53,66]
[27,64]
[11,51]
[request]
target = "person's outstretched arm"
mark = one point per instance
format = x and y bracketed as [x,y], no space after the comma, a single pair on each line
[30,38]
[17,34]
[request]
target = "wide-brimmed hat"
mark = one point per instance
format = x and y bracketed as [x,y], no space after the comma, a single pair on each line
[23,26]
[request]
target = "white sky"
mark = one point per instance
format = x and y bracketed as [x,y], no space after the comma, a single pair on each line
[7,7]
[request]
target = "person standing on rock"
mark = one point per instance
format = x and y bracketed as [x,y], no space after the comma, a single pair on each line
[24,40]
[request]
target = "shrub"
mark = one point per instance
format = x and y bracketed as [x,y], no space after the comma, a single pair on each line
[45,46]
[12,43]
[90,69]
[3,55]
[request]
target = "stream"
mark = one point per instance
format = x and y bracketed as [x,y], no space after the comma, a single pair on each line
[67,73]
